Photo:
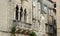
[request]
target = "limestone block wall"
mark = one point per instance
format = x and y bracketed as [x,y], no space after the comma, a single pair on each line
[6,14]
[4,34]
[7,9]
[58,18]
[5,17]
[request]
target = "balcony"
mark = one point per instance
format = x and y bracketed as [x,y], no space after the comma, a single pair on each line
[22,27]
[49,28]
[49,31]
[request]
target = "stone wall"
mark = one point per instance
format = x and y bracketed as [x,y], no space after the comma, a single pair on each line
[58,17]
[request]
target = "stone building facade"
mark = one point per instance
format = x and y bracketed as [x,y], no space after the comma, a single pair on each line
[58,18]
[49,13]
[18,13]
[27,16]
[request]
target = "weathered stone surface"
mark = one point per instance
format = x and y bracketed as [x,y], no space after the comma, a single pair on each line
[58,17]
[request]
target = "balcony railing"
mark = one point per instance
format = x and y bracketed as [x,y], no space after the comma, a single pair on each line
[25,26]
[49,30]
[22,25]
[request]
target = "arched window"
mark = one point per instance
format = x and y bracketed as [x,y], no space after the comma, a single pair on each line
[25,16]
[17,8]
[21,10]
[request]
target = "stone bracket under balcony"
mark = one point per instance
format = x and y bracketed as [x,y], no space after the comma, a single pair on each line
[23,31]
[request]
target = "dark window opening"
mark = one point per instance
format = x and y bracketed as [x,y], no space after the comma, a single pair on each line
[25,12]
[21,10]
[55,5]
[17,8]
[54,11]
